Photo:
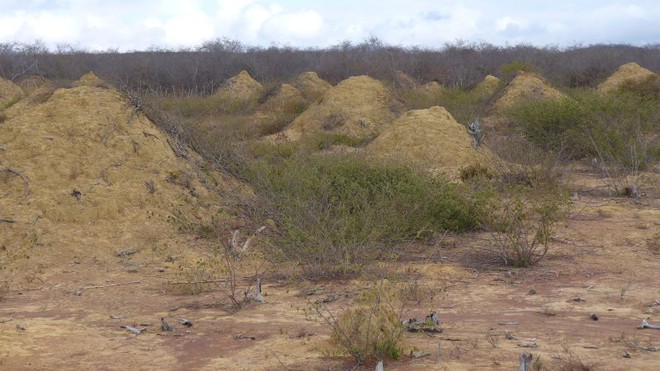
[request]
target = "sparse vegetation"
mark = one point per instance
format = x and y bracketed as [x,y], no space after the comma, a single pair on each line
[371,329]
[618,130]
[337,212]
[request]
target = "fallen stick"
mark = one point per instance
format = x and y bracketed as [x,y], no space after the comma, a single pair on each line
[646,324]
[7,220]
[79,291]
[135,330]
[524,362]
[18,173]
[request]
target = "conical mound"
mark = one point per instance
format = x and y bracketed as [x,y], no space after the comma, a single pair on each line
[311,85]
[358,107]
[526,87]
[9,93]
[488,86]
[90,79]
[428,137]
[240,88]
[627,73]
[84,170]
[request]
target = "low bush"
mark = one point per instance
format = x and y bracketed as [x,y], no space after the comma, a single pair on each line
[617,130]
[372,328]
[522,226]
[336,212]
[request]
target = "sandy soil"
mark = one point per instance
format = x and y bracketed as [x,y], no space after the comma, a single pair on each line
[602,263]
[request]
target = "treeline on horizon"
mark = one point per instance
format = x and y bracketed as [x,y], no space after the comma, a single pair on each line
[202,69]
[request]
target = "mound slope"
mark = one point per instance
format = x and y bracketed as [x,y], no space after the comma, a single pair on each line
[526,87]
[629,72]
[9,92]
[240,88]
[81,170]
[428,137]
[311,85]
[488,85]
[90,79]
[358,107]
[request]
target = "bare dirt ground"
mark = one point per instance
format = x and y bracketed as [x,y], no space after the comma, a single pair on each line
[603,262]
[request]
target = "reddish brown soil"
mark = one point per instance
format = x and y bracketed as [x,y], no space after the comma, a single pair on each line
[602,262]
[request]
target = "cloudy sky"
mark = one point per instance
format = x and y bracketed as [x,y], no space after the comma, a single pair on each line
[140,24]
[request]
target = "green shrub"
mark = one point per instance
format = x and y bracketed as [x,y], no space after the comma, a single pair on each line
[556,126]
[336,212]
[616,128]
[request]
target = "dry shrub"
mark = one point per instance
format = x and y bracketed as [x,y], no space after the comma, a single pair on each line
[527,200]
[372,329]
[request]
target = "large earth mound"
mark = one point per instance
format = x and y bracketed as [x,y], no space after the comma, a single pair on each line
[9,93]
[627,73]
[526,87]
[428,137]
[311,85]
[358,107]
[240,89]
[83,173]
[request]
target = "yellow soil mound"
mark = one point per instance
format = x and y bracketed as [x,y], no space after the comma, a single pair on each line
[358,107]
[311,85]
[83,174]
[9,93]
[526,87]
[90,79]
[629,72]
[286,99]
[240,88]
[488,85]
[428,137]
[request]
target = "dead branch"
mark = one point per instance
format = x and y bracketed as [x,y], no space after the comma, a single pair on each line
[646,324]
[21,175]
[246,245]
[234,242]
[7,220]
[36,219]
[79,291]
[135,330]
[524,361]
[104,174]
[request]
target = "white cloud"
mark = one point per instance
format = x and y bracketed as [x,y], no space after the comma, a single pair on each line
[138,24]
[288,27]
